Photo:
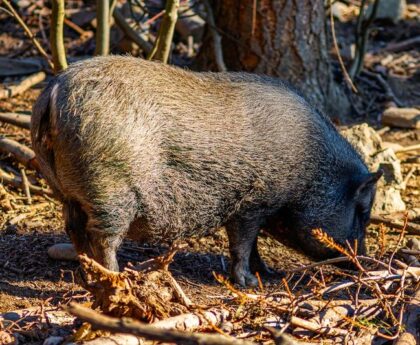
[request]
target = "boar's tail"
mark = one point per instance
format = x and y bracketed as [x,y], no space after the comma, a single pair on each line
[43,118]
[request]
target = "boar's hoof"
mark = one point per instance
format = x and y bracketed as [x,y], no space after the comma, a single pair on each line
[245,279]
[80,276]
[258,265]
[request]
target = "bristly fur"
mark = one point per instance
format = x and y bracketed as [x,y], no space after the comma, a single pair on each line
[171,153]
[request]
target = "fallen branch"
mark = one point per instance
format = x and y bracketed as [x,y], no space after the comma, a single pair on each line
[148,295]
[24,85]
[316,328]
[130,32]
[130,326]
[193,321]
[403,45]
[23,154]
[410,148]
[412,228]
[401,117]
[16,181]
[19,120]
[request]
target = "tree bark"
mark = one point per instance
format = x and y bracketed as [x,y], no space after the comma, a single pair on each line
[282,38]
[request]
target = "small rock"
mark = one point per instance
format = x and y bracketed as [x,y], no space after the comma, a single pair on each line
[339,11]
[402,117]
[377,156]
[62,251]
[53,340]
[11,316]
[386,199]
[392,10]
[413,244]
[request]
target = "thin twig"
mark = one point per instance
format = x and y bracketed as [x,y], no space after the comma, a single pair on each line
[130,33]
[25,185]
[28,32]
[340,60]
[362,34]
[17,182]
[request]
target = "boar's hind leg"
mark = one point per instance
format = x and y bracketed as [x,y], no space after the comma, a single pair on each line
[75,220]
[242,233]
[95,235]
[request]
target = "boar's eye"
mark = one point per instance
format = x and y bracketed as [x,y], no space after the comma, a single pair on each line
[363,211]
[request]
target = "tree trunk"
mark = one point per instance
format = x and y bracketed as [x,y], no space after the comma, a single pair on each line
[282,38]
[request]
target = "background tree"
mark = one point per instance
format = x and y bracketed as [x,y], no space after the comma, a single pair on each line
[282,38]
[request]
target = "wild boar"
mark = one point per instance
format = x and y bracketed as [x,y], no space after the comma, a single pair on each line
[157,153]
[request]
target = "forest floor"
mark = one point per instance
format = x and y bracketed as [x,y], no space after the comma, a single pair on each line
[30,279]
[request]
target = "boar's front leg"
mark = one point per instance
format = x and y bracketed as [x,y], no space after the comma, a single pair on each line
[256,263]
[242,233]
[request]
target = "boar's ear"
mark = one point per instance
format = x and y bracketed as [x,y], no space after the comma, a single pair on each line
[366,184]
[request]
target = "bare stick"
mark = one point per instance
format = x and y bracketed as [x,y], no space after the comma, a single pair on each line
[130,33]
[162,46]
[19,120]
[57,36]
[415,147]
[217,39]
[24,85]
[25,185]
[127,325]
[311,326]
[22,153]
[412,228]
[28,32]
[112,5]
[102,28]
[334,261]
[16,181]
[83,33]
[403,45]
